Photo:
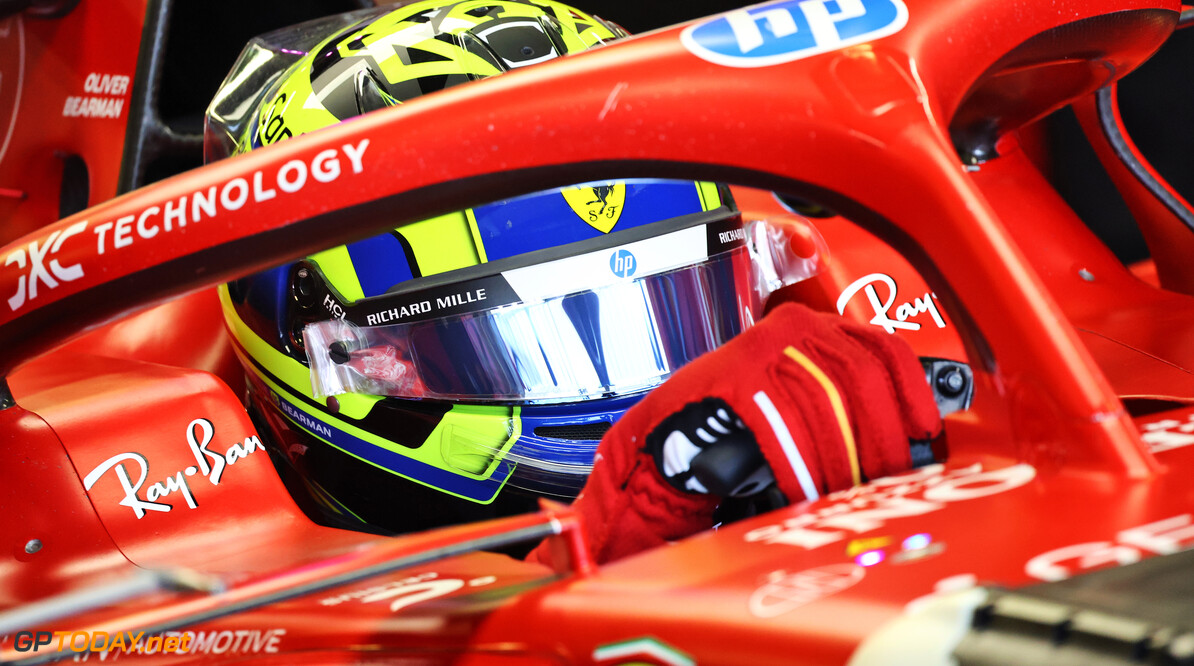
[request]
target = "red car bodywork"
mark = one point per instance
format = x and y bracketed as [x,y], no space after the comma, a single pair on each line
[1048,474]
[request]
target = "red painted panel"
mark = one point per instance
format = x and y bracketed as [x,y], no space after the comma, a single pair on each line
[65,89]
[52,538]
[175,469]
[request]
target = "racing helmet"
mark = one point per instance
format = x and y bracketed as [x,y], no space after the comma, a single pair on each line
[456,368]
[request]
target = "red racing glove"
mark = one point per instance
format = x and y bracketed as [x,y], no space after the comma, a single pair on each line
[803,403]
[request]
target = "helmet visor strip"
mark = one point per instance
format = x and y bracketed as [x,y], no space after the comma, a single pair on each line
[613,340]
[601,324]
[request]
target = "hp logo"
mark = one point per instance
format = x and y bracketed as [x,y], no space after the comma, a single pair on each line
[787,30]
[622,263]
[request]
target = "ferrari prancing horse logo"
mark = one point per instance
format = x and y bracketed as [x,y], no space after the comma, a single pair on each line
[599,206]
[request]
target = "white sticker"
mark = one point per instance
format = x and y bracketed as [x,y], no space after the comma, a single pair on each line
[171,216]
[242,641]
[1163,537]
[869,507]
[784,592]
[209,464]
[39,267]
[409,591]
[1168,434]
[104,98]
[883,307]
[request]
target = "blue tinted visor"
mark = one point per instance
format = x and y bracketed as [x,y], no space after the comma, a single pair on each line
[604,323]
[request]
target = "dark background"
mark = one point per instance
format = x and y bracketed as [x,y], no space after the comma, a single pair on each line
[1157,101]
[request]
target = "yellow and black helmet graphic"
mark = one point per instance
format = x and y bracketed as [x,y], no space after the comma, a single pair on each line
[416,50]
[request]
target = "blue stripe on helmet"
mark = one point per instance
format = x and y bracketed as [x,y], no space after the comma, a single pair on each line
[544,219]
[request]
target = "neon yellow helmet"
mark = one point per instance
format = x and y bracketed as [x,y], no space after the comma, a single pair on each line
[460,366]
[419,49]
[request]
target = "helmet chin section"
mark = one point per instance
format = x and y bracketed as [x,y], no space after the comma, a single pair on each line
[343,490]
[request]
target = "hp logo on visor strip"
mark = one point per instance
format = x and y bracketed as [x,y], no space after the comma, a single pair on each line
[622,263]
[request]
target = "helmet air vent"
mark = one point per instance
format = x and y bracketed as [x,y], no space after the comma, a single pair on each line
[580,432]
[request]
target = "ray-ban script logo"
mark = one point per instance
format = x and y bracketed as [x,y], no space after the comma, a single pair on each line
[208,463]
[903,311]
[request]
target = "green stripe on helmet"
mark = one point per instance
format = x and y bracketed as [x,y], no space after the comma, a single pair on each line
[441,244]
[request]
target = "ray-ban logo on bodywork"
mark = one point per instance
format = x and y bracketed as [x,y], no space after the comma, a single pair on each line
[780,32]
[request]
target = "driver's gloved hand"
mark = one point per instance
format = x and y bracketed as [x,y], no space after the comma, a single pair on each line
[800,405]
[705,448]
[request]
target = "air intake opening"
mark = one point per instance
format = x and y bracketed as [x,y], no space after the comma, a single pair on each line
[579,432]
